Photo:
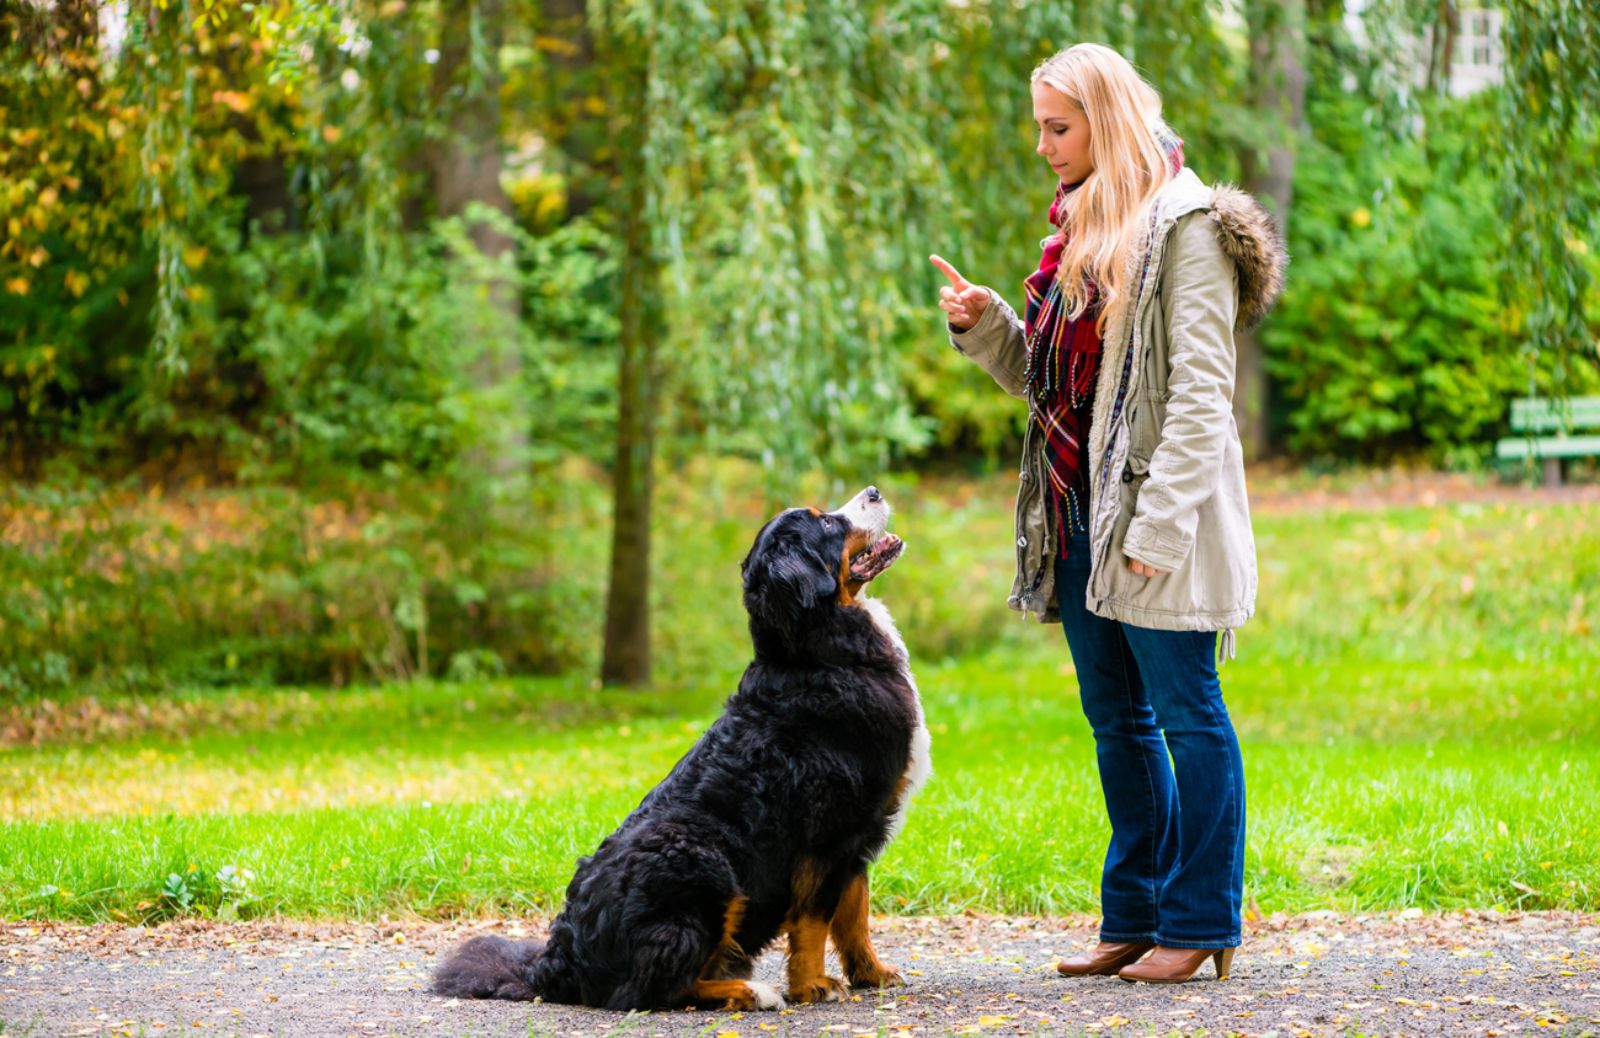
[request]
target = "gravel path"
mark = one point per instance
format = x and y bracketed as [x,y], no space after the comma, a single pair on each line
[1481,974]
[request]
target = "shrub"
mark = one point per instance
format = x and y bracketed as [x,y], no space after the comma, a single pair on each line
[1391,337]
[117,588]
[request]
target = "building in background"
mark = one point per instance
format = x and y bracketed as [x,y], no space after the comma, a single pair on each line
[1459,56]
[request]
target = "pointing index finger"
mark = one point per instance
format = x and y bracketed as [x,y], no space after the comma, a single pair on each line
[950,272]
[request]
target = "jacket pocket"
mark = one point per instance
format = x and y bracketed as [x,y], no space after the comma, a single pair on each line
[1146,415]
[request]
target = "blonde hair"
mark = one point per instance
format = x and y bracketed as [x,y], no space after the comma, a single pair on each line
[1131,167]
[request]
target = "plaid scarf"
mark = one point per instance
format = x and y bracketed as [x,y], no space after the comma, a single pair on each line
[1063,362]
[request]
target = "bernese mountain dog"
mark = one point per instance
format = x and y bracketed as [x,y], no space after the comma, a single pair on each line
[767,825]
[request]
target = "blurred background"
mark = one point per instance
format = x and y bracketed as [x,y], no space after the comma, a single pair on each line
[389,391]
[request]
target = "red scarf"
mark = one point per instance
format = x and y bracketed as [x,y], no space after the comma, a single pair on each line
[1063,362]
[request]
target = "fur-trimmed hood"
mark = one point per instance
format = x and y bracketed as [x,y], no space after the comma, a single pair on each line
[1247,232]
[1252,240]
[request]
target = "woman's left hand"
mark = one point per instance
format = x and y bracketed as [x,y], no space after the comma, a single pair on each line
[1141,569]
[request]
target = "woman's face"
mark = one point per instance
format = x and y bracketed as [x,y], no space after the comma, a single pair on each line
[1063,133]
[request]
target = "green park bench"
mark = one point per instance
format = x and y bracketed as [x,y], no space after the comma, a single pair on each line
[1551,430]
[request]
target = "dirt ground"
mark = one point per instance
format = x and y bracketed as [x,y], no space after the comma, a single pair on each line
[1473,973]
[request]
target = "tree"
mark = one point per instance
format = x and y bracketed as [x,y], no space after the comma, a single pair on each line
[1551,117]
[799,162]
[625,656]
[1276,84]
[466,168]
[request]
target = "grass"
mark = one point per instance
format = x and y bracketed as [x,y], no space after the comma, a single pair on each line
[1417,702]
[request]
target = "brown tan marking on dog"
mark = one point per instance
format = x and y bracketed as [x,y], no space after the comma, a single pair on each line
[854,944]
[728,953]
[849,586]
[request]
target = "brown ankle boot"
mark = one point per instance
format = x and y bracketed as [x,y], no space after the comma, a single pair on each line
[1103,960]
[1176,965]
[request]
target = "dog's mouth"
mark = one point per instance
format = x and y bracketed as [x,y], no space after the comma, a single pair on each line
[875,557]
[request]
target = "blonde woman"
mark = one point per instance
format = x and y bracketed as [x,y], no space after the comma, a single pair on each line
[1132,524]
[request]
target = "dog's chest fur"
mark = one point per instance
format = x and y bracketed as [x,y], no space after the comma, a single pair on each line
[921,763]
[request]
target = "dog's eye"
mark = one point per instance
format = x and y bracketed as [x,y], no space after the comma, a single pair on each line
[827,523]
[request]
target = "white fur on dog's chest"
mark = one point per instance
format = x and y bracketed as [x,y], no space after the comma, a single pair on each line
[921,763]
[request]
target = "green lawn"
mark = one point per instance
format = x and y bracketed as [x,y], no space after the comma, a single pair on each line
[1418,704]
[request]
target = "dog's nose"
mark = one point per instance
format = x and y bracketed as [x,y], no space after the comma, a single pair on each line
[872,494]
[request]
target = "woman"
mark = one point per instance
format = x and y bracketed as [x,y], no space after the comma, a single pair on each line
[1132,523]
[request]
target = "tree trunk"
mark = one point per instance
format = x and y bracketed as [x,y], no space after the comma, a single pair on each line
[626,657]
[573,82]
[466,169]
[1450,26]
[1441,48]
[1278,94]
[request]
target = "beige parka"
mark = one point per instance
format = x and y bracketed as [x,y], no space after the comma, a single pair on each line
[1166,470]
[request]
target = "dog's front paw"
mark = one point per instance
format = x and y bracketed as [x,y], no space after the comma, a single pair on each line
[876,975]
[823,989]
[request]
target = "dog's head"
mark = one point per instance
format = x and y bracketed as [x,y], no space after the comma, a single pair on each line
[806,559]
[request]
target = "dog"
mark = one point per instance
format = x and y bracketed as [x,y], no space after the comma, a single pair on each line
[767,826]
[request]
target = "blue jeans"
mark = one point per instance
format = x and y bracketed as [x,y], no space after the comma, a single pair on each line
[1174,871]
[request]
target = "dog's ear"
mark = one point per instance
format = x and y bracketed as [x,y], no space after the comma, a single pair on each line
[805,577]
[785,582]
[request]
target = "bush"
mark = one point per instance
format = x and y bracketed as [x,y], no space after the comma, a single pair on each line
[121,589]
[1391,337]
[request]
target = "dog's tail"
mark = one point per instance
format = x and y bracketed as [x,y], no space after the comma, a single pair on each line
[490,967]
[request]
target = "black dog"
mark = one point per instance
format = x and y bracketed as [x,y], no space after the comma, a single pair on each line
[768,824]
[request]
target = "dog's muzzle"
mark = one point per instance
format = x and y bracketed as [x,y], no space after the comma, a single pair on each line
[870,512]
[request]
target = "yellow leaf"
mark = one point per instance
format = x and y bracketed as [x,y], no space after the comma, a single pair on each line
[556,45]
[195,255]
[330,133]
[17,286]
[48,196]
[234,99]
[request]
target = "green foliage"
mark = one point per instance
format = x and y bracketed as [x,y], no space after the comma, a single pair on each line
[114,589]
[1548,188]
[72,262]
[1392,336]
[219,255]
[358,368]
[794,194]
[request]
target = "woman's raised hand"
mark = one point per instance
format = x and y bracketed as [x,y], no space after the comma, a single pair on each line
[962,300]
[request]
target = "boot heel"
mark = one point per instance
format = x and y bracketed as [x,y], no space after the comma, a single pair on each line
[1223,960]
